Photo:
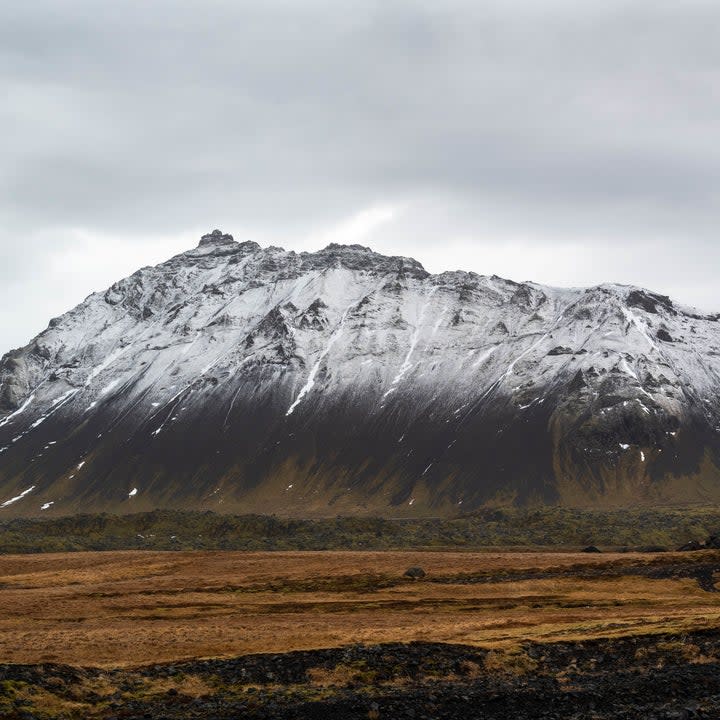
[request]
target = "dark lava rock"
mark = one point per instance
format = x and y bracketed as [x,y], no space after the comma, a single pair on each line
[591,549]
[691,546]
[611,679]
[416,573]
[712,543]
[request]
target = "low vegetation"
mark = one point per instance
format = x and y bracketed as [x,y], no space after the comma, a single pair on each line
[177,530]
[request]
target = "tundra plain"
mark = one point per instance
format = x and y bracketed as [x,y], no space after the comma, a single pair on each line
[186,635]
[116,609]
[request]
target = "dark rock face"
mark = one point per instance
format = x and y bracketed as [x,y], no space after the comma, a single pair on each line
[649,302]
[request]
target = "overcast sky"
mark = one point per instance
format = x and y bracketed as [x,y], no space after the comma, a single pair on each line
[569,143]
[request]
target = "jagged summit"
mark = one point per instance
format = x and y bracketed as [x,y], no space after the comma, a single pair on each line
[247,378]
[216,237]
[339,247]
[354,257]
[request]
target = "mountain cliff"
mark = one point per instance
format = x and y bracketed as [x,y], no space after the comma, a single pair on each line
[246,379]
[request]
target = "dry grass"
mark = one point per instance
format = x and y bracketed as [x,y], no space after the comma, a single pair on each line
[511,660]
[51,704]
[130,608]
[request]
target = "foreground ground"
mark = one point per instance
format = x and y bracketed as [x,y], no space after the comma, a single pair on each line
[528,635]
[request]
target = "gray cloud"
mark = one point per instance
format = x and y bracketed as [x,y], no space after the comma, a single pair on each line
[500,131]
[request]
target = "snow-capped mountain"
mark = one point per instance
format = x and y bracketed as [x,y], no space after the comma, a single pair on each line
[247,379]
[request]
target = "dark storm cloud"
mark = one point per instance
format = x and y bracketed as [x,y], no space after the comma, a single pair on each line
[562,123]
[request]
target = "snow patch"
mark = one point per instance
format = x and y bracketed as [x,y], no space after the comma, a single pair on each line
[484,356]
[17,497]
[209,367]
[624,367]
[109,360]
[55,406]
[633,319]
[20,410]
[110,386]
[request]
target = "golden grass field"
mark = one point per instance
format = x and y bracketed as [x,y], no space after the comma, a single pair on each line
[121,609]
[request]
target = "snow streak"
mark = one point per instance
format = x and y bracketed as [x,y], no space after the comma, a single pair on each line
[313,372]
[109,360]
[406,365]
[17,497]
[6,420]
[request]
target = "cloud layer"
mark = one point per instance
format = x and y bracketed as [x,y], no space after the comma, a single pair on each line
[565,142]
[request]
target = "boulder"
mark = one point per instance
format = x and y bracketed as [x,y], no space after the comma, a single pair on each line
[692,545]
[416,573]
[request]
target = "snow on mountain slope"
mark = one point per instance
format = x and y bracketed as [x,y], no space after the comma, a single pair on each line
[242,378]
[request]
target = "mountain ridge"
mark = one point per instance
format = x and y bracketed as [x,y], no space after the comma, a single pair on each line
[246,379]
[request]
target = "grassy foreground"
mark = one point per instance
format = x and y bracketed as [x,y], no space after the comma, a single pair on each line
[126,608]
[316,635]
[176,530]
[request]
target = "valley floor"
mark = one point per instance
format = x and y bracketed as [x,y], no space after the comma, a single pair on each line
[346,634]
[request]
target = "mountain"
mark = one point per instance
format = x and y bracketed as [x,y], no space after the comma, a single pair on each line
[246,379]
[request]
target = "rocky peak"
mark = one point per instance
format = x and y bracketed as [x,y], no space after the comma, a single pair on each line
[216,237]
[359,257]
[338,247]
